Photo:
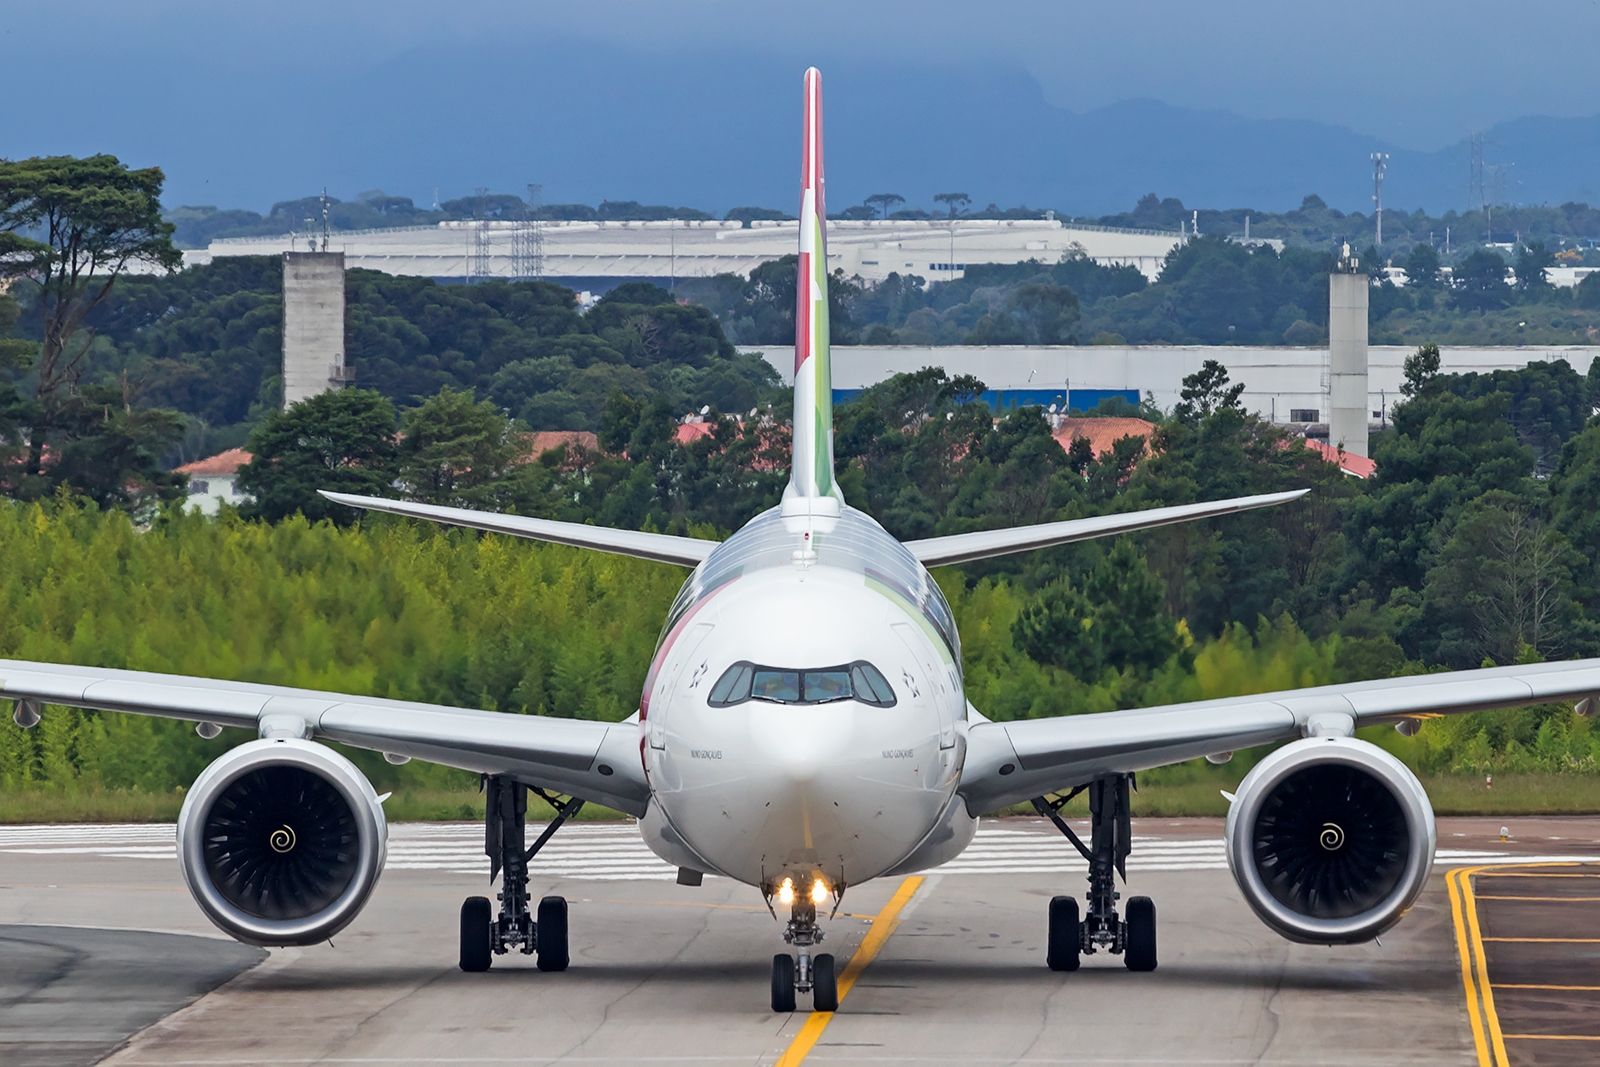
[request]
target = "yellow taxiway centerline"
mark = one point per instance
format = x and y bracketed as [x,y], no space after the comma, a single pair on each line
[882,926]
[1453,882]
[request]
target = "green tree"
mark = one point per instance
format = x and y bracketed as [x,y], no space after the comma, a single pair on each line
[1207,392]
[1500,583]
[1422,267]
[1479,282]
[1445,451]
[883,202]
[111,451]
[341,440]
[1048,313]
[1533,261]
[954,201]
[1421,367]
[1116,622]
[458,453]
[1575,504]
[1587,294]
[69,228]
[16,355]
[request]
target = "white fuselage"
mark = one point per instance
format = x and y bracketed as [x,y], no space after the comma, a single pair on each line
[845,788]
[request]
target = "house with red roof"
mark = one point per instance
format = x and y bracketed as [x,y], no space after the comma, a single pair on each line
[213,480]
[1353,465]
[1102,434]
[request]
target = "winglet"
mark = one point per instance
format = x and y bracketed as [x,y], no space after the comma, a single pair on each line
[811,488]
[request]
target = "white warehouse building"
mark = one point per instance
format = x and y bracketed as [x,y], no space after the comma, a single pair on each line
[1286,385]
[935,249]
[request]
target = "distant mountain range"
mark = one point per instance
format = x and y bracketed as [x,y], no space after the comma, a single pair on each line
[719,129]
[1014,147]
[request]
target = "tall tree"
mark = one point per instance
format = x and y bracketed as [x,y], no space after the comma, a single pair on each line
[456,452]
[1480,281]
[73,227]
[1422,267]
[954,201]
[1533,261]
[884,201]
[69,229]
[342,439]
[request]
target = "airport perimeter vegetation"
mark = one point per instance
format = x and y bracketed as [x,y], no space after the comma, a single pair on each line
[1416,568]
[1477,540]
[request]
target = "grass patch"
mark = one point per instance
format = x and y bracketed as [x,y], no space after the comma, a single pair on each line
[1511,794]
[118,805]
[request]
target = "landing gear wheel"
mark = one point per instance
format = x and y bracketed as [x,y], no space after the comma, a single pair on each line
[550,931]
[824,986]
[476,946]
[783,983]
[1139,924]
[1065,940]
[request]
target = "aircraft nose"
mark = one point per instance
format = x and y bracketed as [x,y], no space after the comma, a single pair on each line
[803,743]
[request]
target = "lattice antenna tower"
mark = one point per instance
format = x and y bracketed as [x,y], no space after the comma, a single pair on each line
[479,269]
[527,240]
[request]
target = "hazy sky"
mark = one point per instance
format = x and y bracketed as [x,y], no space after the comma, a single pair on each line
[238,100]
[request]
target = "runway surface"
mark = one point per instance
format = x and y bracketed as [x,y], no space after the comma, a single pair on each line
[668,974]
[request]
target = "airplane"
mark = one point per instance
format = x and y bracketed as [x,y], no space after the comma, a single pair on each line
[803,729]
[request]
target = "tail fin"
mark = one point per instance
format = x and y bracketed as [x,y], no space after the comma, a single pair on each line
[812,489]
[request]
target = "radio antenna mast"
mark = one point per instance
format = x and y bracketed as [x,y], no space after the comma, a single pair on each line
[1380,162]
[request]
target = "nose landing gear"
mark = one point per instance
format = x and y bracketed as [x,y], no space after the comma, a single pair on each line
[482,936]
[803,972]
[1132,936]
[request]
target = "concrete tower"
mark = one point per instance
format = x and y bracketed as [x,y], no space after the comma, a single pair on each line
[313,324]
[1347,359]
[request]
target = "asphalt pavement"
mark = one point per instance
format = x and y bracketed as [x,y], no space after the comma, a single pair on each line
[663,973]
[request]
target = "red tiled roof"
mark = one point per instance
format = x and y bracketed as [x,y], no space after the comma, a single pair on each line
[227,462]
[693,431]
[1349,462]
[1103,433]
[543,441]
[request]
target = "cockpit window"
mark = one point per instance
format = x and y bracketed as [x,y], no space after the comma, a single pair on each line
[781,687]
[859,681]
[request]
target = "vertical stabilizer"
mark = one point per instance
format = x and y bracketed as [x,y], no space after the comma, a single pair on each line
[812,489]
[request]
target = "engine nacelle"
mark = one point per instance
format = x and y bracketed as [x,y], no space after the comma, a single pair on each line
[1330,839]
[281,842]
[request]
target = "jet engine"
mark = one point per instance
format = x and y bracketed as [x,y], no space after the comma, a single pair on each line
[281,842]
[1330,839]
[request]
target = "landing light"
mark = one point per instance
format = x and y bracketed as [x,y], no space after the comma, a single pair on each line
[819,892]
[786,891]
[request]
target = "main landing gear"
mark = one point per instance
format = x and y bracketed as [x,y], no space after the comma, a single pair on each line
[803,972]
[482,936]
[1110,841]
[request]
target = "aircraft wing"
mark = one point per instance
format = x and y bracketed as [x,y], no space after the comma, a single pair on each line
[1009,762]
[663,548]
[597,761]
[963,548]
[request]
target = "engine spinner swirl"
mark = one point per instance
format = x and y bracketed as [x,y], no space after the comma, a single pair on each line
[282,839]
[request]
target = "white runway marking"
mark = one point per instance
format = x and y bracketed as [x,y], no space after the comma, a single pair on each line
[614,851]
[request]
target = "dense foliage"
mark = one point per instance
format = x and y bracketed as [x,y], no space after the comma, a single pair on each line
[388,610]
[69,229]
[1211,290]
[206,343]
